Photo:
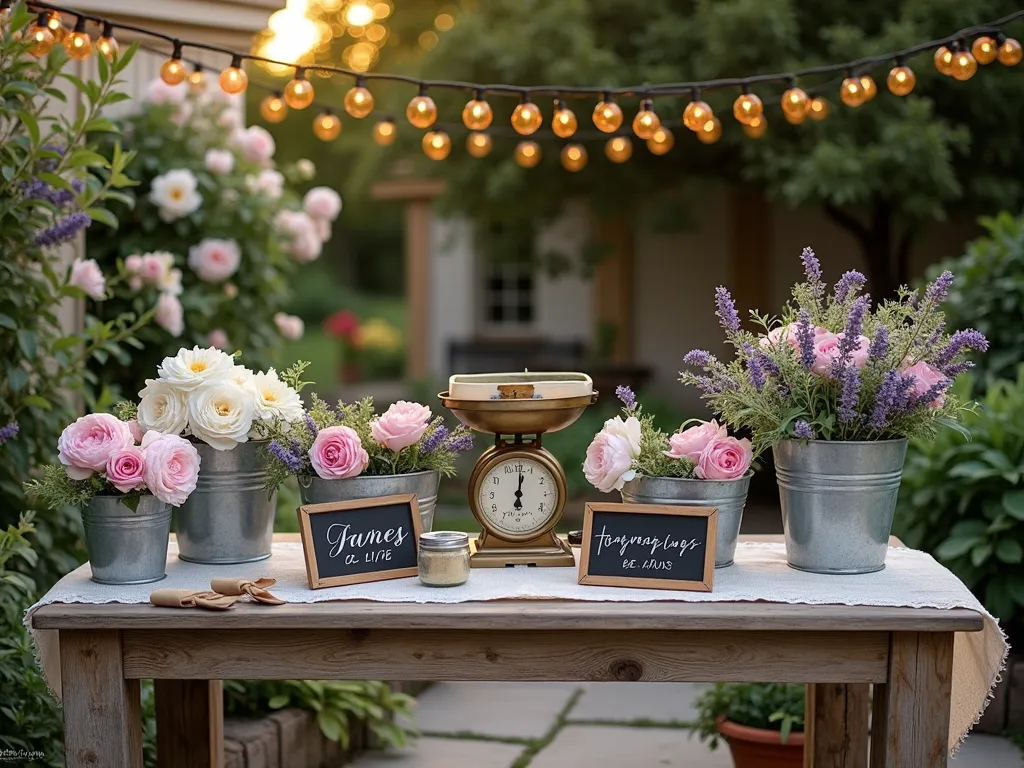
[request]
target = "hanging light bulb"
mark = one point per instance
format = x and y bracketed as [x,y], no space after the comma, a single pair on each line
[985,50]
[574,157]
[479,144]
[5,11]
[868,88]
[78,44]
[607,115]
[944,60]
[747,107]
[436,145]
[196,80]
[107,46]
[618,149]
[756,128]
[326,126]
[563,121]
[477,114]
[795,104]
[526,117]
[964,65]
[273,108]
[527,153]
[172,71]
[661,142]
[298,93]
[901,79]
[421,111]
[646,121]
[818,110]
[697,112]
[710,131]
[851,92]
[40,37]
[56,26]
[385,132]
[1009,52]
[233,79]
[359,100]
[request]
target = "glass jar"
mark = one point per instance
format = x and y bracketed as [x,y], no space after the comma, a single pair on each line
[444,558]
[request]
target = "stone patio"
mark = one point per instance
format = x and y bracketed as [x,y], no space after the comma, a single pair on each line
[599,725]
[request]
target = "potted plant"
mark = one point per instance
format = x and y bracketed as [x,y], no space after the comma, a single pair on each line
[835,389]
[700,465]
[763,723]
[125,491]
[350,452]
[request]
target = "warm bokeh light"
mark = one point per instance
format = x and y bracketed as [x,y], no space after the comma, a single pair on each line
[1009,52]
[78,44]
[444,21]
[607,116]
[385,132]
[851,93]
[428,40]
[359,101]
[985,50]
[233,79]
[618,149]
[574,157]
[298,93]
[360,56]
[901,80]
[527,153]
[868,88]
[755,128]
[327,126]
[697,113]
[291,35]
[646,121]
[359,14]
[661,142]
[173,72]
[477,114]
[710,131]
[107,46]
[747,108]
[795,104]
[421,111]
[819,108]
[273,109]
[41,40]
[563,121]
[381,10]
[526,118]
[478,144]
[964,65]
[436,145]
[944,60]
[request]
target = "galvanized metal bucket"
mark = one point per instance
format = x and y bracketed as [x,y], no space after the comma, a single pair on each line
[838,500]
[315,490]
[126,547]
[229,517]
[728,496]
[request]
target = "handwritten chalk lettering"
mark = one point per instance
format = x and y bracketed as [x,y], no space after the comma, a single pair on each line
[381,555]
[653,543]
[339,538]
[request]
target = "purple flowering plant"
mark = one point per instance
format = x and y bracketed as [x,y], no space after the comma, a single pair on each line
[836,367]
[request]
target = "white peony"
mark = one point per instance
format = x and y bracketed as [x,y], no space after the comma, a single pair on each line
[214,260]
[275,400]
[219,161]
[171,282]
[192,367]
[241,375]
[170,315]
[175,193]
[162,408]
[220,413]
[322,203]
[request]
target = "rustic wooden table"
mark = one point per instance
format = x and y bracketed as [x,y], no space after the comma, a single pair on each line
[906,653]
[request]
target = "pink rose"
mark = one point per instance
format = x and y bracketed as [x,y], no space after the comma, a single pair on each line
[170,315]
[159,92]
[87,275]
[925,377]
[172,467]
[289,326]
[136,430]
[402,425]
[218,338]
[826,350]
[87,445]
[787,333]
[337,454]
[258,145]
[610,455]
[155,268]
[133,264]
[322,203]
[126,469]
[692,441]
[214,260]
[859,355]
[724,459]
[219,161]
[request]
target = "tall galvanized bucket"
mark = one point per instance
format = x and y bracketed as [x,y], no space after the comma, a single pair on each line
[229,518]
[315,490]
[728,496]
[838,500]
[126,547]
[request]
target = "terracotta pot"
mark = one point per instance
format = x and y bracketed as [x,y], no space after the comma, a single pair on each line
[759,748]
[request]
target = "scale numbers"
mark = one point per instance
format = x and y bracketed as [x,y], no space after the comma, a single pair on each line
[518,496]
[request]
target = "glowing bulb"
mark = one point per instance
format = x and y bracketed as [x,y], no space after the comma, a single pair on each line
[607,116]
[528,153]
[944,60]
[696,114]
[710,132]
[384,132]
[526,118]
[359,14]
[1009,52]
[661,142]
[56,26]
[478,144]
[646,121]
[901,80]
[868,88]
[359,101]
[851,93]
[173,72]
[436,145]
[563,121]
[78,44]
[985,50]
[477,115]
[747,108]
[795,104]
[233,79]
[107,47]
[756,128]
[818,109]
[618,149]
[327,126]
[964,65]
[421,111]
[273,108]
[5,12]
[574,157]
[299,91]
[40,38]
[196,80]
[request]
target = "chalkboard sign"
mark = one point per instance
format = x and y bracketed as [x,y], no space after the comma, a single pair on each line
[350,542]
[649,546]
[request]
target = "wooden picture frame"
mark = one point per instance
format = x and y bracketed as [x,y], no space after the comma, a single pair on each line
[305,512]
[704,585]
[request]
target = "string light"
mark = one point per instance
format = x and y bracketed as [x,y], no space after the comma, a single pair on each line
[298,93]
[233,79]
[944,60]
[421,111]
[710,131]
[618,149]
[273,108]
[196,80]
[851,93]
[795,104]
[436,145]
[40,37]
[172,71]
[526,117]
[479,144]
[985,50]
[563,122]
[696,113]
[385,132]
[359,100]
[868,88]
[747,107]
[901,79]
[527,153]
[646,121]
[964,65]
[1009,52]
[327,126]
[574,157]
[607,115]
[477,114]
[661,142]
[78,44]
[56,26]
[5,11]
[107,46]
[756,128]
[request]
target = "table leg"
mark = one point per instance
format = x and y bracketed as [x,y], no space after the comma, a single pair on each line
[836,725]
[102,722]
[910,714]
[189,723]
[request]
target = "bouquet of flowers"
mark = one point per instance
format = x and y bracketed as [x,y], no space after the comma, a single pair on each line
[834,368]
[632,446]
[352,440]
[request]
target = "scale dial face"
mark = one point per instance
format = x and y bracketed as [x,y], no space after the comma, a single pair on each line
[518,496]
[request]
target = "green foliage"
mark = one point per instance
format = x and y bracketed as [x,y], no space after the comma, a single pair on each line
[652,460]
[770,706]
[989,295]
[964,501]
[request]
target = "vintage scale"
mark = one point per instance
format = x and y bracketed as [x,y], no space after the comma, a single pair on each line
[517,488]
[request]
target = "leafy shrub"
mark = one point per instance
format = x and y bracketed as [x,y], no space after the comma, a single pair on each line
[964,501]
[770,706]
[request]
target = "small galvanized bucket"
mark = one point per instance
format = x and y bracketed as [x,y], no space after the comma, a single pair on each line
[229,517]
[315,490]
[126,547]
[728,496]
[838,500]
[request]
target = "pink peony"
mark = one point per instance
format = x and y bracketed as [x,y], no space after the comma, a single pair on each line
[289,326]
[86,445]
[219,161]
[126,469]
[159,92]
[170,315]
[172,467]
[87,275]
[337,454]
[693,440]
[258,145]
[214,260]
[402,425]
[270,183]
[218,338]
[610,455]
[133,264]
[925,377]
[724,459]
[155,268]
[322,203]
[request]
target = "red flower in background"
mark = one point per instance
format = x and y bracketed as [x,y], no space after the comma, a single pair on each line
[343,324]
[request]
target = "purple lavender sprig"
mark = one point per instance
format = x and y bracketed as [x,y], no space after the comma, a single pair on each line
[805,339]
[849,283]
[756,372]
[769,365]
[461,442]
[965,339]
[812,268]
[8,431]
[726,310]
[292,459]
[938,291]
[311,426]
[64,230]
[933,394]
[851,335]
[627,396]
[699,358]
[435,439]
[880,344]
[803,430]
[952,371]
[848,398]
[885,399]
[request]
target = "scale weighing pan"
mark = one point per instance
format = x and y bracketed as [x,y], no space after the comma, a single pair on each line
[518,417]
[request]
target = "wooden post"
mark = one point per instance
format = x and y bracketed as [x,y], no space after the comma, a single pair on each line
[102,720]
[613,286]
[750,249]
[189,723]
[417,288]
[836,726]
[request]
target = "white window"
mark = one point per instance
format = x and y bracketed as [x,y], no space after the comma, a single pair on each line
[509,295]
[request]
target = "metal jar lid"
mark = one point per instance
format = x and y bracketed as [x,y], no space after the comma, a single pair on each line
[444,540]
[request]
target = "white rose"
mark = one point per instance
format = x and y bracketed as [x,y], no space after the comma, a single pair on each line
[275,399]
[322,203]
[220,413]
[176,194]
[191,367]
[162,408]
[219,161]
[241,375]
[270,183]
[628,430]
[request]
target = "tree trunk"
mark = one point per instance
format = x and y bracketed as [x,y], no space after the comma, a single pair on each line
[888,263]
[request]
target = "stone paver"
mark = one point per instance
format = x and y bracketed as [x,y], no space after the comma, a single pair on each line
[654,702]
[607,746]
[983,751]
[428,752]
